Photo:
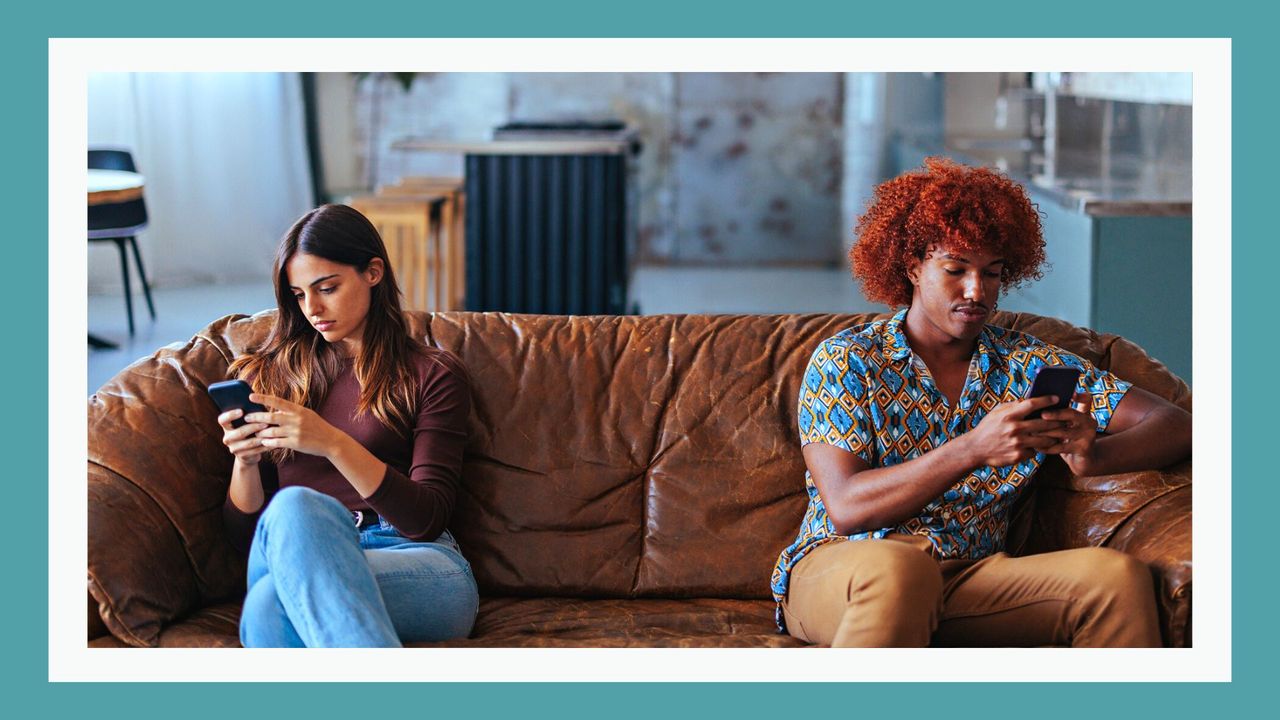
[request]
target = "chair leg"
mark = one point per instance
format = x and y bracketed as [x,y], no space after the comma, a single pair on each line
[146,286]
[128,292]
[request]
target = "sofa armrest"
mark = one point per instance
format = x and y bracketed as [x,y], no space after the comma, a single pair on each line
[1160,535]
[139,572]
[1071,511]
[1146,514]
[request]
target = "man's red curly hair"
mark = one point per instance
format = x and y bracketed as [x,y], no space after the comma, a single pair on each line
[961,208]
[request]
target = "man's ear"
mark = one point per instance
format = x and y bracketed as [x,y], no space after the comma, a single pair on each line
[375,271]
[917,264]
[913,272]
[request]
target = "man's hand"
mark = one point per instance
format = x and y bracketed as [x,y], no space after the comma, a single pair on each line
[1076,433]
[1005,436]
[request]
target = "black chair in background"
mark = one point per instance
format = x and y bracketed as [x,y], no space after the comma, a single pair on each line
[120,223]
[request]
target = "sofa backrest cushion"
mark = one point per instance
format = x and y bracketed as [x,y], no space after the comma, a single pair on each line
[655,456]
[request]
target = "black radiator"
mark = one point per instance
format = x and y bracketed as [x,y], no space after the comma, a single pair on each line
[547,233]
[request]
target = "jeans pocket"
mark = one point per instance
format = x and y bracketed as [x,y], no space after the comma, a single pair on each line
[446,538]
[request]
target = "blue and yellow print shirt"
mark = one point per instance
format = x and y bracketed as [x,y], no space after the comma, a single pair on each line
[866,392]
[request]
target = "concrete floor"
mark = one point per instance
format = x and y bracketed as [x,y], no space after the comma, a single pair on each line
[181,312]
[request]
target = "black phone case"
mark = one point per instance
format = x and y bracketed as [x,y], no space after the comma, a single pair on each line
[233,394]
[1057,380]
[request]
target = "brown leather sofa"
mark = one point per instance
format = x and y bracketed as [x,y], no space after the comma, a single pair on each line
[629,481]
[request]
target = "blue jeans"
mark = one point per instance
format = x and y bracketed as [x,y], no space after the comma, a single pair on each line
[317,581]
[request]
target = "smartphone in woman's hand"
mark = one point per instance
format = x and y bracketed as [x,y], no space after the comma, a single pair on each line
[234,395]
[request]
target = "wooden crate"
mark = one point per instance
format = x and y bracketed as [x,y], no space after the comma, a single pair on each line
[450,222]
[422,254]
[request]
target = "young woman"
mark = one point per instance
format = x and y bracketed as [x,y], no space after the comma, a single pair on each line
[346,484]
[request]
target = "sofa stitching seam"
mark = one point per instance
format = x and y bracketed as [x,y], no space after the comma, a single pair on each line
[647,474]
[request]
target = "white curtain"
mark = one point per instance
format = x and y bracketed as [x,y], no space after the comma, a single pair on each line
[225,161]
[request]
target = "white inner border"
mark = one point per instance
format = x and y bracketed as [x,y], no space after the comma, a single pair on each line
[70,61]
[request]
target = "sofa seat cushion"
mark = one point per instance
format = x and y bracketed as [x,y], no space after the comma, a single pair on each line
[568,622]
[552,622]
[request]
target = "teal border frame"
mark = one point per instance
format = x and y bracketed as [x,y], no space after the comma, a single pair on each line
[26,119]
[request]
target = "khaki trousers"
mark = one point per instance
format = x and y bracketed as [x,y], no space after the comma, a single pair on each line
[894,593]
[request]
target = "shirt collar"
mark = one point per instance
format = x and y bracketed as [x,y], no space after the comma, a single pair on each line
[987,353]
[894,337]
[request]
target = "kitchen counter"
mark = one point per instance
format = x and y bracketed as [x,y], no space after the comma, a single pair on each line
[1084,182]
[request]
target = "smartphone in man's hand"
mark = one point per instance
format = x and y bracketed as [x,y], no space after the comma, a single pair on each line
[1059,380]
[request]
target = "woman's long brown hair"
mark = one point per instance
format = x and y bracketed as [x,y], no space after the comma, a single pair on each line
[297,364]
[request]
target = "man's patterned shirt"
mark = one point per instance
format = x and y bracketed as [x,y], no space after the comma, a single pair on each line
[866,392]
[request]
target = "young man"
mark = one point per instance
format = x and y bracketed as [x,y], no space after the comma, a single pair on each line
[917,441]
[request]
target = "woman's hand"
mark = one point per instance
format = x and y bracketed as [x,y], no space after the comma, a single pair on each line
[242,441]
[292,426]
[1076,433]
